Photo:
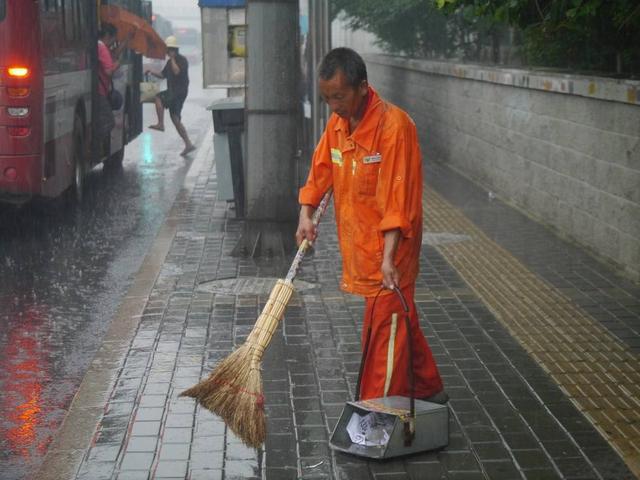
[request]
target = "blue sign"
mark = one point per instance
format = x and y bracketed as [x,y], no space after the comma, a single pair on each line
[221,3]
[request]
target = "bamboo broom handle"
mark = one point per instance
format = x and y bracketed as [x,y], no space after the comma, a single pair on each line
[270,318]
[274,307]
[324,203]
[272,312]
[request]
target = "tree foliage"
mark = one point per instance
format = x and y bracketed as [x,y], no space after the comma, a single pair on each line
[578,34]
[413,27]
[583,34]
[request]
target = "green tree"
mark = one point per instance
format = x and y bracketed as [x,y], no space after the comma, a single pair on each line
[579,34]
[412,27]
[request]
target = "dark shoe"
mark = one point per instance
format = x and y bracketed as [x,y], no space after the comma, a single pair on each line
[441,398]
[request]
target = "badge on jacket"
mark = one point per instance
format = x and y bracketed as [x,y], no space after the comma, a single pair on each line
[377,158]
[336,156]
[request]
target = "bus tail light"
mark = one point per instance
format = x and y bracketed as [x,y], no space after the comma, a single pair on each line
[18,111]
[11,173]
[19,131]
[18,72]
[17,92]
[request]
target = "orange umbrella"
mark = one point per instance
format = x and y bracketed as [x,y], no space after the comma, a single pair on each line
[144,39]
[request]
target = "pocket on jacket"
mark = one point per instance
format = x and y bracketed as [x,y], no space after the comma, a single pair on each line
[368,179]
[367,254]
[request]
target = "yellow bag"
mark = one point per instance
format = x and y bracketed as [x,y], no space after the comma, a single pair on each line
[148,91]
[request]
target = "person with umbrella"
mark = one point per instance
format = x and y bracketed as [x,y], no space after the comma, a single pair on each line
[108,63]
[177,75]
[369,154]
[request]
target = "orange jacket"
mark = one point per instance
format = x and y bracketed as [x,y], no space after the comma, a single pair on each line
[376,174]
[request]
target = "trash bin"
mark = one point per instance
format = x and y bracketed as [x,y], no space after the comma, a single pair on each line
[228,127]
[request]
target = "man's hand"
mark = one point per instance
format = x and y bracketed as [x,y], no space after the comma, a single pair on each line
[306,229]
[390,275]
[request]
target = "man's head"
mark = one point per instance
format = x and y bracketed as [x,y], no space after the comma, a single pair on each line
[107,34]
[343,82]
[172,45]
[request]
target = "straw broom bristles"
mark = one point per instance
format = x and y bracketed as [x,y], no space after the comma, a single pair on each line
[233,390]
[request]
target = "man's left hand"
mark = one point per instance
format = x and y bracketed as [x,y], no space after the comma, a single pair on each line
[390,275]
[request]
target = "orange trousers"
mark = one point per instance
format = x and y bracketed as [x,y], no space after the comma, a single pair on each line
[386,367]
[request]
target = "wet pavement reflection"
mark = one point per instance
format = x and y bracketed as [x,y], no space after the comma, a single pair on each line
[63,271]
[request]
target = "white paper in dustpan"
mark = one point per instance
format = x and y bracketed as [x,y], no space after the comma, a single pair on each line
[370,430]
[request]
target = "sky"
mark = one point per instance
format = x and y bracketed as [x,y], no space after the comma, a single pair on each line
[182,13]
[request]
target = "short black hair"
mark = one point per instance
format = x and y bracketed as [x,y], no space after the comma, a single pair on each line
[107,29]
[346,60]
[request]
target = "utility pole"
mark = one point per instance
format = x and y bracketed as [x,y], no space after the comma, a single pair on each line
[272,104]
[320,33]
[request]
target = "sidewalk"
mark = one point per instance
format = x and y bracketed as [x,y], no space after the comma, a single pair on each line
[537,344]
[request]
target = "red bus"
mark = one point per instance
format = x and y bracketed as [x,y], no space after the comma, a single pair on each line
[48,87]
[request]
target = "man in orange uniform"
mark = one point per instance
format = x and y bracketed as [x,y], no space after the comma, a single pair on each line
[369,154]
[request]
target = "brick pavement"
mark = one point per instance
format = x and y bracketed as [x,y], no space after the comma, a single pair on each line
[509,418]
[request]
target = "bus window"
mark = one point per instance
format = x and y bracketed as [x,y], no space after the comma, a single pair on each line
[3,9]
[51,5]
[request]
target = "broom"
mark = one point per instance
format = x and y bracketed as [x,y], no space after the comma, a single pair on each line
[233,391]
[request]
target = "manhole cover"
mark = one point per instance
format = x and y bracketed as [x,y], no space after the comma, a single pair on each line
[442,238]
[249,286]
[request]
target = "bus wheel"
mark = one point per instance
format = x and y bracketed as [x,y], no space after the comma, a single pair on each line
[79,161]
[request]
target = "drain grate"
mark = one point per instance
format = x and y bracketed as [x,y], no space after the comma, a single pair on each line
[248,286]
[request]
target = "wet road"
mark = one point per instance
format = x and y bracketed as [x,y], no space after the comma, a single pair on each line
[63,272]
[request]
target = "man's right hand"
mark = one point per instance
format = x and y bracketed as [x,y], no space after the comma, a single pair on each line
[306,228]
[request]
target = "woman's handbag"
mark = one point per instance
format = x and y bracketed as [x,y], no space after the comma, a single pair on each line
[148,90]
[114,97]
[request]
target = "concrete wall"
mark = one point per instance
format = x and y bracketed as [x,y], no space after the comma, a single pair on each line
[565,149]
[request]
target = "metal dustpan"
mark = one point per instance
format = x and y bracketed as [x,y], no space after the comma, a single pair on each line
[431,422]
[409,425]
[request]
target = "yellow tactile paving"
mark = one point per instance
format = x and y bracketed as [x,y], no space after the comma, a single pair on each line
[596,371]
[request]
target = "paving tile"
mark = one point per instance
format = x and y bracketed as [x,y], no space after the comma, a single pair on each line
[501,470]
[145,429]
[206,475]
[492,451]
[175,451]
[176,435]
[171,469]
[241,469]
[104,453]
[142,444]
[213,443]
[133,475]
[458,461]
[137,461]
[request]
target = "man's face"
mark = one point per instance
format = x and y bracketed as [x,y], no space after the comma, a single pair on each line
[171,52]
[343,99]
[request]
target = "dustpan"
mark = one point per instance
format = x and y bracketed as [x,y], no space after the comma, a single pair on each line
[412,425]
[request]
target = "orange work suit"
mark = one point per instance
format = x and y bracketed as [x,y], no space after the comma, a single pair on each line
[376,175]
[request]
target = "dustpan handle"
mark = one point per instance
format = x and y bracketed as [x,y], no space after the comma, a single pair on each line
[409,426]
[302,249]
